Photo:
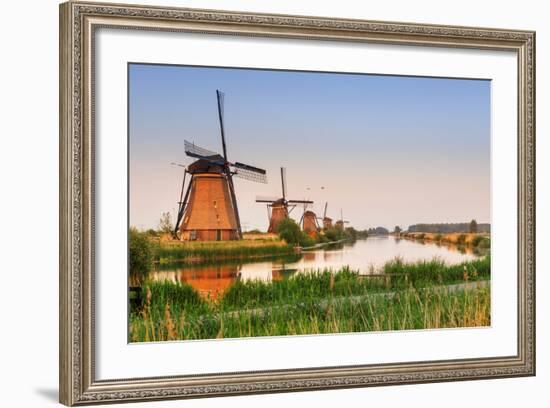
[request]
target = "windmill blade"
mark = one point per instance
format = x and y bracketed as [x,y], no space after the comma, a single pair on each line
[250,175]
[182,205]
[249,168]
[221,96]
[283,181]
[325,213]
[300,202]
[191,149]
[266,199]
[211,159]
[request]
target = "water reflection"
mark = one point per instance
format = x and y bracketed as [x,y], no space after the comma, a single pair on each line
[365,256]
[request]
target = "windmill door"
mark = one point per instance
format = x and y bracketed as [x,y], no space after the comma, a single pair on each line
[218,235]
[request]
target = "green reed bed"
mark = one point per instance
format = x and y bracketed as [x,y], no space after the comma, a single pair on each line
[402,296]
[404,310]
[210,251]
[395,275]
[436,271]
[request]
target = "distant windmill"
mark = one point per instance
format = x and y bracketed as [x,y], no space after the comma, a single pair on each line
[208,211]
[327,221]
[341,222]
[278,208]
[309,222]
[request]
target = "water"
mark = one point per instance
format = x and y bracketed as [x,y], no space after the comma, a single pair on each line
[365,255]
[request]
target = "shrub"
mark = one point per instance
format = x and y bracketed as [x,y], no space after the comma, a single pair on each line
[321,238]
[141,252]
[461,239]
[334,234]
[481,242]
[289,231]
[305,240]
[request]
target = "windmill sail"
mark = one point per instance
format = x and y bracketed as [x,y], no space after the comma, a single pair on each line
[241,170]
[221,96]
[283,181]
[193,150]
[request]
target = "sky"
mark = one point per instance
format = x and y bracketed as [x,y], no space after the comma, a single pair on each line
[386,150]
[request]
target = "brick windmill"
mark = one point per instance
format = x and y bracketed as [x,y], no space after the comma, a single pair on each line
[341,223]
[208,210]
[278,209]
[327,221]
[309,222]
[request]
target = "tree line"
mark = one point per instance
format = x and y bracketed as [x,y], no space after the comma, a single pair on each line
[443,228]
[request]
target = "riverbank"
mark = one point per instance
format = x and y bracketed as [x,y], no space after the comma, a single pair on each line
[477,240]
[165,252]
[401,296]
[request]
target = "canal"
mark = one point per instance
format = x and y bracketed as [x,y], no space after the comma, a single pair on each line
[365,256]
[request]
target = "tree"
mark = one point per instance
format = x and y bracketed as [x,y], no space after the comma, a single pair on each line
[473,226]
[165,224]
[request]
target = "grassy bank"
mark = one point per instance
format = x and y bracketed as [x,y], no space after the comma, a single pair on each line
[473,239]
[205,251]
[319,302]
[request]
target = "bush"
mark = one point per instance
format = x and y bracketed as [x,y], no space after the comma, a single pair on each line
[141,252]
[305,240]
[334,234]
[481,242]
[291,233]
[321,238]
[461,239]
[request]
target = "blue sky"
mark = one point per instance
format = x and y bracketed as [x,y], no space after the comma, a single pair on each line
[388,150]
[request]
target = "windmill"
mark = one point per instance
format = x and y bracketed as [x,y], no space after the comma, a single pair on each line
[341,222]
[208,210]
[327,221]
[278,208]
[309,222]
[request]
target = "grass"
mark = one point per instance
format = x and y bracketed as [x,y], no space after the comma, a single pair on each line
[407,310]
[204,251]
[402,296]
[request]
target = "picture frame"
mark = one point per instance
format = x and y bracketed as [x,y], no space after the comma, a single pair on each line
[79,23]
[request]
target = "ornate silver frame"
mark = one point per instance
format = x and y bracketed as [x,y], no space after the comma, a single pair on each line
[78,22]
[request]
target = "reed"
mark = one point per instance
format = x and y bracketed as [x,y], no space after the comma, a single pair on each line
[406,310]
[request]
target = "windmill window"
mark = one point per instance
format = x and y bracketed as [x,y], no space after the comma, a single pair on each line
[218,217]
[215,204]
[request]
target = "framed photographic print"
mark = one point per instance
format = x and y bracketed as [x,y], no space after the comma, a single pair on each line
[258,203]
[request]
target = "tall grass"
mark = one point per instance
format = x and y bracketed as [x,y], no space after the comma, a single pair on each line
[436,271]
[408,309]
[396,275]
